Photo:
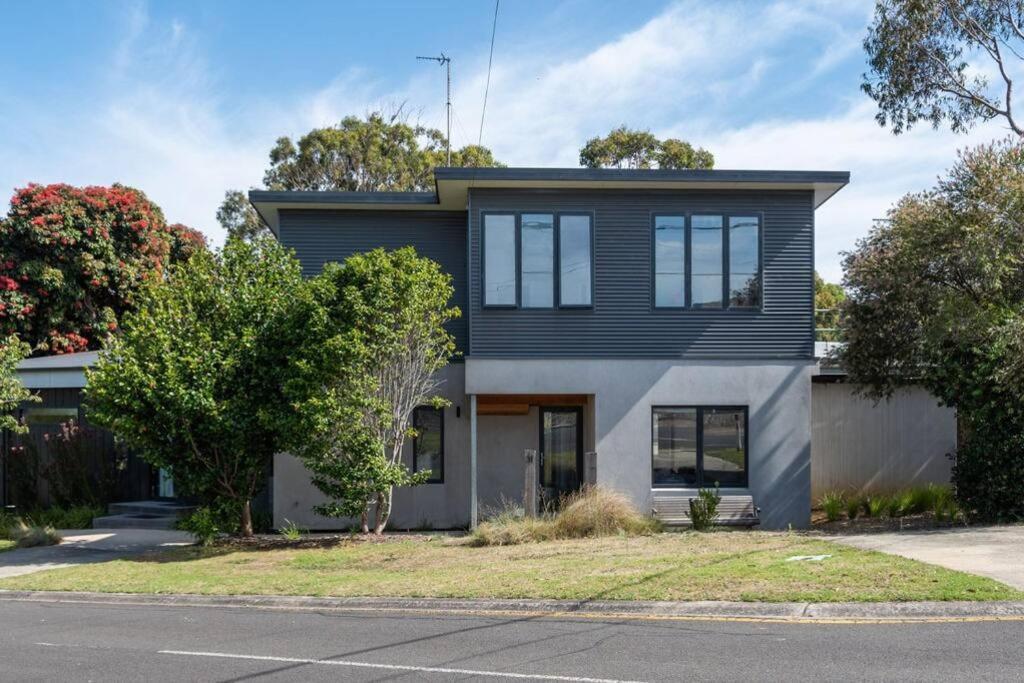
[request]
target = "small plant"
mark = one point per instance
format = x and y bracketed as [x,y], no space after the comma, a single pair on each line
[892,506]
[854,504]
[704,508]
[204,524]
[875,505]
[292,531]
[832,504]
[34,535]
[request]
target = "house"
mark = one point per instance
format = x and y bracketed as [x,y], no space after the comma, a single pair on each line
[661,320]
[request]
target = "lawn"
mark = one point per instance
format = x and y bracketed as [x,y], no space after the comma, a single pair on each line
[7,545]
[684,566]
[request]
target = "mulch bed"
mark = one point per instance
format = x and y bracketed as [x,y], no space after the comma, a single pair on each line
[868,525]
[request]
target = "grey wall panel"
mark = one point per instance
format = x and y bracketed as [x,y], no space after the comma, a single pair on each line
[322,236]
[622,322]
[862,446]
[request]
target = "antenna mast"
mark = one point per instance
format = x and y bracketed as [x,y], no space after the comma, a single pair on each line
[446,62]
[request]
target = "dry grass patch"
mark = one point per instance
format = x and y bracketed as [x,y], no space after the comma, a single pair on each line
[674,566]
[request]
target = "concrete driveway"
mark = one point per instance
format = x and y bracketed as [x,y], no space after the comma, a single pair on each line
[83,546]
[995,551]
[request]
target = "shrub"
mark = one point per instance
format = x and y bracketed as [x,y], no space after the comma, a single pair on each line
[704,509]
[7,523]
[988,474]
[832,504]
[31,536]
[854,504]
[875,505]
[593,511]
[77,517]
[204,524]
[292,531]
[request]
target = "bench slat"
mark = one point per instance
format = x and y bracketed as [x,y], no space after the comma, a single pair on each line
[674,509]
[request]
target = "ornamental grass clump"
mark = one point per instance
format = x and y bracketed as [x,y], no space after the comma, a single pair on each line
[832,504]
[591,512]
[31,536]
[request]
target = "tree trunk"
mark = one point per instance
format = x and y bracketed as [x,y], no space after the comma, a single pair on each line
[365,521]
[383,510]
[246,519]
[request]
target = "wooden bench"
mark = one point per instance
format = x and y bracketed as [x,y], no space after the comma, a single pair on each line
[673,509]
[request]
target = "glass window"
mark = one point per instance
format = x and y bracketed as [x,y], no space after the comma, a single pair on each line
[574,275]
[669,261]
[499,260]
[724,457]
[675,446]
[538,258]
[706,243]
[744,262]
[49,415]
[428,444]
[699,447]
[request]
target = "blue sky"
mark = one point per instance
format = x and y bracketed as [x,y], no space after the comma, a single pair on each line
[184,100]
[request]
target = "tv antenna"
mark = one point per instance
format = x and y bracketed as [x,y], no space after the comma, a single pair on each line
[446,62]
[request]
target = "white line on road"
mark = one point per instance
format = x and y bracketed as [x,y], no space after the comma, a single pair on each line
[396,667]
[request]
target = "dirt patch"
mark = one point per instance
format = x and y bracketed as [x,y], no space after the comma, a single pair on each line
[315,541]
[868,525]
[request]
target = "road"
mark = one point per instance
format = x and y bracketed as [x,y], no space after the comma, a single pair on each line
[72,642]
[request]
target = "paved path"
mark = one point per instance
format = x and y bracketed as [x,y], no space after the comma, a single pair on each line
[996,551]
[81,546]
[159,643]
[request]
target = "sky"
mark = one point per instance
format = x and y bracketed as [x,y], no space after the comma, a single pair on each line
[184,100]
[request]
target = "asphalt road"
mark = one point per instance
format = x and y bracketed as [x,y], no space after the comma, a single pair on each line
[73,642]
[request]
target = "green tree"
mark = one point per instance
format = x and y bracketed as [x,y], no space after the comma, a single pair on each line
[627,148]
[936,297]
[377,340]
[827,298]
[923,58]
[12,392]
[376,154]
[72,260]
[195,379]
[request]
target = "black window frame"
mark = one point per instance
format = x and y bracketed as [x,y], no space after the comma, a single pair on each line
[557,273]
[438,477]
[700,483]
[687,217]
[483,258]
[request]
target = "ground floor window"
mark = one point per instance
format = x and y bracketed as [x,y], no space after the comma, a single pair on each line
[699,446]
[428,444]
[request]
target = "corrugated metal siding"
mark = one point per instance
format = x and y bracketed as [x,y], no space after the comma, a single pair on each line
[322,236]
[622,322]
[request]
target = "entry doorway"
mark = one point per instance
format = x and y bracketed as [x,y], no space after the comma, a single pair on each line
[561,452]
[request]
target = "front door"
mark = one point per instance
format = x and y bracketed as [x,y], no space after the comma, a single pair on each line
[561,452]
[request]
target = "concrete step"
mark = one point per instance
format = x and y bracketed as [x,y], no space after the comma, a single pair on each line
[135,521]
[169,508]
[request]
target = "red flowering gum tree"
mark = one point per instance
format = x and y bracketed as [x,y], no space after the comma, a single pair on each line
[72,260]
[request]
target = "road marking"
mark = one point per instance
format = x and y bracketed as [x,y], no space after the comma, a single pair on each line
[396,667]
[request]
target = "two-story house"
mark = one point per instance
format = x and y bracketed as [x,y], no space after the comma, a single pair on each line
[662,320]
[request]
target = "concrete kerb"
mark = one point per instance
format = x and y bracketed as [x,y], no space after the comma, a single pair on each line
[835,613]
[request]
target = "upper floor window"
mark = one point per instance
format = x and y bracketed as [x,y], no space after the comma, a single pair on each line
[706,243]
[744,262]
[499,246]
[574,258]
[428,444]
[537,247]
[669,261]
[712,261]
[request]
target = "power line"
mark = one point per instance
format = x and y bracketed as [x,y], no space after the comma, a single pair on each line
[487,88]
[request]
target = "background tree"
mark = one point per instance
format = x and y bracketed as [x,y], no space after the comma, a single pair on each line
[920,54]
[828,297]
[936,297]
[73,259]
[195,379]
[12,392]
[627,148]
[375,154]
[382,326]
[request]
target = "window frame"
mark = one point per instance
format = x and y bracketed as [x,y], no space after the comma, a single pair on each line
[557,264]
[554,259]
[483,258]
[435,478]
[558,259]
[700,483]
[688,265]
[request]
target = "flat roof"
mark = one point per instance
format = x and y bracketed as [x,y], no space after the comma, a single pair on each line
[452,187]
